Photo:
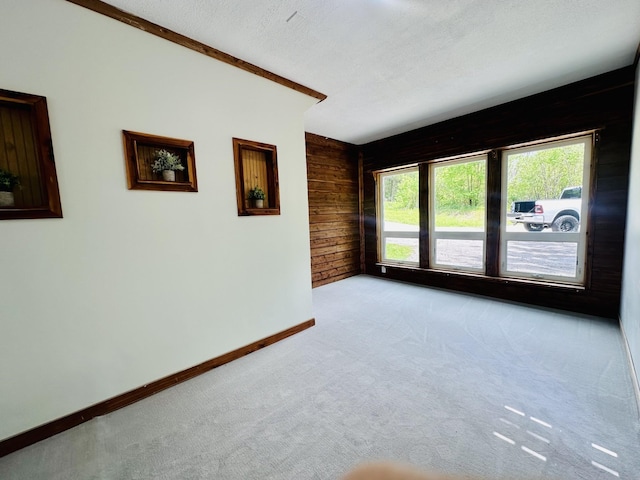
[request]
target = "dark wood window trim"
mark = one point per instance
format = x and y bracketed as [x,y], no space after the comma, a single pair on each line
[493,206]
[603,104]
[42,170]
[249,157]
[423,207]
[493,215]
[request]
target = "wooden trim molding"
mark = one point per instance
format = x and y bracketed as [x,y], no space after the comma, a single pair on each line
[361,210]
[65,423]
[159,31]
[256,167]
[140,151]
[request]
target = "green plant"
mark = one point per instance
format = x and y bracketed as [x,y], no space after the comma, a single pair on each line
[256,193]
[165,160]
[8,181]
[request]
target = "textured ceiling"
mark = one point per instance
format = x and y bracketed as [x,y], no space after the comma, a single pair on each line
[389,66]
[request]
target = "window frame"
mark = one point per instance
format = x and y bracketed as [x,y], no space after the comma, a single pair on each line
[581,237]
[435,235]
[383,234]
[495,215]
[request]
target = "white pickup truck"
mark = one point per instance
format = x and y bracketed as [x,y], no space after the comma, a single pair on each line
[562,215]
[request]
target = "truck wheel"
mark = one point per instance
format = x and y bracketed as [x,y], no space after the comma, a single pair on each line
[533,227]
[565,223]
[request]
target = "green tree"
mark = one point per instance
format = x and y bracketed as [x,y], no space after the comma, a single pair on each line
[543,174]
[391,186]
[460,186]
[407,194]
[402,190]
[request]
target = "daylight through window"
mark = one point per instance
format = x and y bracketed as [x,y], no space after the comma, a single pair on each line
[400,217]
[457,216]
[541,225]
[544,210]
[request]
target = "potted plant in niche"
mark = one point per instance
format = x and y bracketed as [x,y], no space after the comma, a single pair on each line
[167,163]
[8,182]
[257,195]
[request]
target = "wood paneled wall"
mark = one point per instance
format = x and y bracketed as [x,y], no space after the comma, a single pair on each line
[146,159]
[605,103]
[255,173]
[334,216]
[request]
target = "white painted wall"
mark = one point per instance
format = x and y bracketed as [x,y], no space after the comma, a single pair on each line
[630,309]
[130,285]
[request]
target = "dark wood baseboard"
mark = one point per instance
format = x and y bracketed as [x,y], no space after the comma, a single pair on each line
[61,424]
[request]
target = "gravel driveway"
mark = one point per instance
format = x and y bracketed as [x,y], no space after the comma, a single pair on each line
[543,258]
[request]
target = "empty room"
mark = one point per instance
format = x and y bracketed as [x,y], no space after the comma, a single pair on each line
[365,239]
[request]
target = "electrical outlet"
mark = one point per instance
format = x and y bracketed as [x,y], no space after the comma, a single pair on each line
[383,269]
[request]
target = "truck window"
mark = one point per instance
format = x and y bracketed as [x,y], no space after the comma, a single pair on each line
[574,192]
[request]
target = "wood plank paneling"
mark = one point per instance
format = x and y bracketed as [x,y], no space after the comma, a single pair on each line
[146,159]
[18,154]
[255,173]
[334,220]
[603,103]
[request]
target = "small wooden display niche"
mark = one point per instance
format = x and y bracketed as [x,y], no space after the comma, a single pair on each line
[28,180]
[141,149]
[256,167]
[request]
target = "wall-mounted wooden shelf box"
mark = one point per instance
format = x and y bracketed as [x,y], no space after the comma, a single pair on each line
[28,180]
[256,165]
[141,150]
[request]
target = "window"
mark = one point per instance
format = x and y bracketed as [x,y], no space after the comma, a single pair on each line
[537,215]
[457,214]
[544,211]
[400,216]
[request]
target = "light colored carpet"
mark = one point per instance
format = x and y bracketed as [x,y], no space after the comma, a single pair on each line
[443,381]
